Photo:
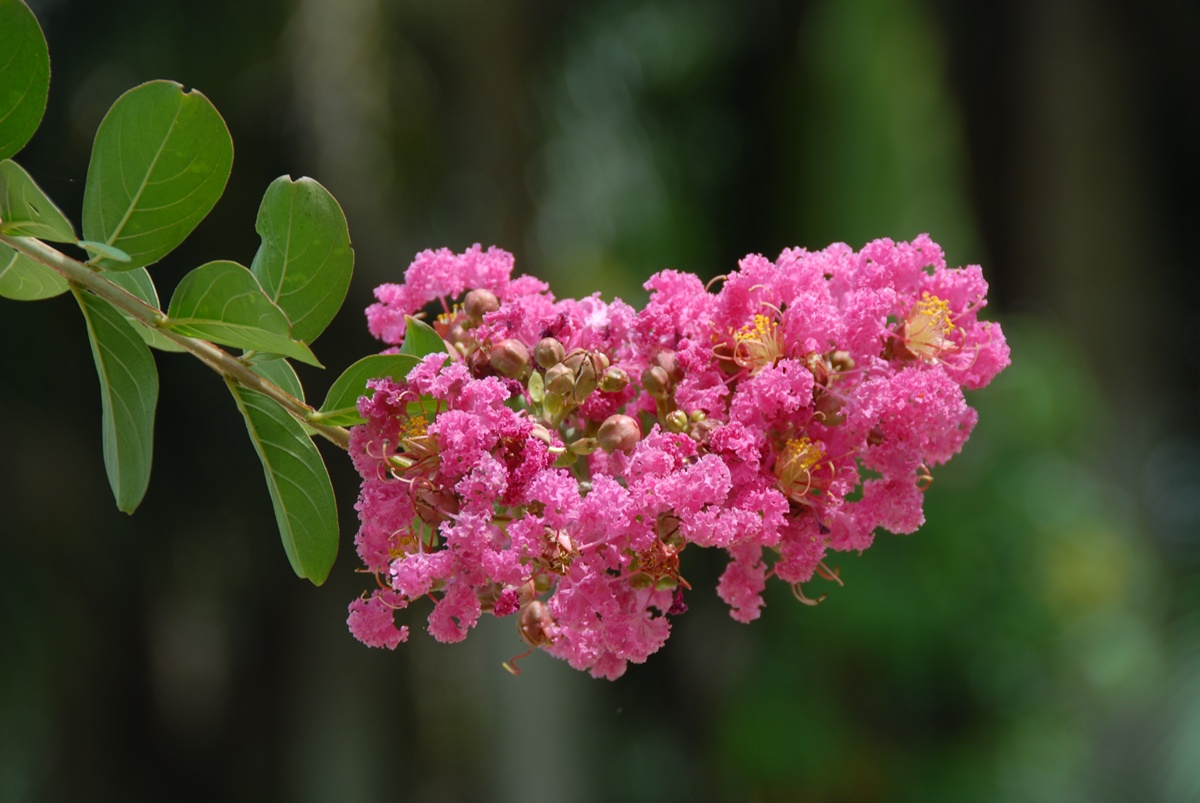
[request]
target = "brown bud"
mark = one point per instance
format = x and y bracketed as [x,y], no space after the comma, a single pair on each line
[670,363]
[479,302]
[614,379]
[533,622]
[656,382]
[619,432]
[841,360]
[701,430]
[509,358]
[549,352]
[560,380]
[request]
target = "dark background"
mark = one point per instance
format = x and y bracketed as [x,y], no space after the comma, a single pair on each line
[1038,640]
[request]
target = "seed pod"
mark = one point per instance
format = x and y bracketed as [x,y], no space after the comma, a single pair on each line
[509,358]
[619,432]
[614,379]
[479,302]
[549,352]
[656,382]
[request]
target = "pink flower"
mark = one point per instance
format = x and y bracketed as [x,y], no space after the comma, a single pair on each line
[567,489]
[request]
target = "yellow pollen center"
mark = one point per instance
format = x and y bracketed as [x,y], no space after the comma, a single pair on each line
[757,344]
[414,427]
[926,328]
[794,466]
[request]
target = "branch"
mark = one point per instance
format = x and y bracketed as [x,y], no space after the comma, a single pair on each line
[83,275]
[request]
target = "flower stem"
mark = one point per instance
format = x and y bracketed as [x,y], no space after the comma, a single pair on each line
[231,368]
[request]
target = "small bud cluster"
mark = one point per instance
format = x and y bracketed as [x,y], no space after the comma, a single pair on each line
[558,465]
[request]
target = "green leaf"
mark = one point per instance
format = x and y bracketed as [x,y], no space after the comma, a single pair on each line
[223,302]
[24,76]
[159,163]
[128,396]
[420,339]
[305,261]
[138,282]
[280,372]
[340,407]
[25,211]
[301,492]
[111,253]
[25,279]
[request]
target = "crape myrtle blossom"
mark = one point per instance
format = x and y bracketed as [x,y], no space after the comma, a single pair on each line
[556,460]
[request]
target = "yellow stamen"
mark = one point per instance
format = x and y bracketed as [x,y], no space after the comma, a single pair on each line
[794,466]
[927,326]
[757,344]
[414,427]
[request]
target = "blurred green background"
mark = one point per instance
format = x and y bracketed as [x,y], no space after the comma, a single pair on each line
[1037,640]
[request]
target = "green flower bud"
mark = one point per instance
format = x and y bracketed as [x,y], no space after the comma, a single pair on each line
[614,379]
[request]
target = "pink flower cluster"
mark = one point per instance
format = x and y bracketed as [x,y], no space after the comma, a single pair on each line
[558,458]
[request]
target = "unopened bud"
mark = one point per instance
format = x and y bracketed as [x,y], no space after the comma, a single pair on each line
[479,302]
[560,380]
[677,421]
[614,379]
[656,382]
[509,358]
[702,430]
[549,352]
[619,433]
[533,622]
[601,361]
[575,358]
[697,416]
[841,360]
[670,363]
[585,380]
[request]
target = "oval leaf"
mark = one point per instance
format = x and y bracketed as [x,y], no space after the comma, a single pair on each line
[223,302]
[25,211]
[24,279]
[24,76]
[301,492]
[139,283]
[420,339]
[305,261]
[159,163]
[128,397]
[280,372]
[340,407]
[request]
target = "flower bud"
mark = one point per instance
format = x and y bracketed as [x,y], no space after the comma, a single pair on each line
[619,432]
[533,622]
[670,363]
[479,302]
[585,380]
[656,382]
[549,352]
[614,379]
[509,358]
[575,358]
[677,421]
[841,360]
[560,380]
